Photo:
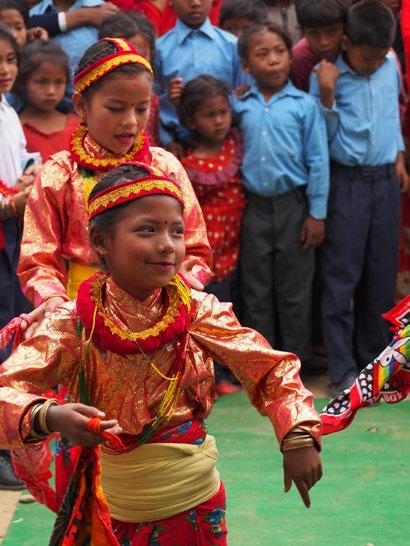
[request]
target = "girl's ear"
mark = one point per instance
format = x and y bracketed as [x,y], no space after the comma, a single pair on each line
[98,240]
[79,105]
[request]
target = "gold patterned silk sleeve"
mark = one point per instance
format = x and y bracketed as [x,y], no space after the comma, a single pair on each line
[49,358]
[42,269]
[270,378]
[196,239]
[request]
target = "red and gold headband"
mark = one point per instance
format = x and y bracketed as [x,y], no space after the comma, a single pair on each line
[125,54]
[156,183]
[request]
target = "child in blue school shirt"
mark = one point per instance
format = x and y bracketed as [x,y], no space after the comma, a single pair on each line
[285,173]
[359,95]
[193,47]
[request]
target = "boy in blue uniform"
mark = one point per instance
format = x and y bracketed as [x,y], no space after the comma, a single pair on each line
[285,173]
[359,95]
[193,47]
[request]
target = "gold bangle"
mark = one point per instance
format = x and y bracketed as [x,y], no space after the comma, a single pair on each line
[298,444]
[42,415]
[33,416]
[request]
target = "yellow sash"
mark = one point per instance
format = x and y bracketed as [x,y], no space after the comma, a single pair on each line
[77,273]
[157,481]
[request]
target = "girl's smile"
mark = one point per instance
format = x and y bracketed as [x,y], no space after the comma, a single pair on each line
[117,111]
[145,248]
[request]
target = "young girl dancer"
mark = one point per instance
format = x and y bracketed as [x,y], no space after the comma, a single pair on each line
[113,90]
[41,85]
[136,350]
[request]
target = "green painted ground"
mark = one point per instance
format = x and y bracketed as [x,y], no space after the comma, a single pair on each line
[363,499]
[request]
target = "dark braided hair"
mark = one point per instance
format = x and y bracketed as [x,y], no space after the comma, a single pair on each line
[196,91]
[98,51]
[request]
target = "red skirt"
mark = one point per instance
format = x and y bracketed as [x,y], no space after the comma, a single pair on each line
[203,525]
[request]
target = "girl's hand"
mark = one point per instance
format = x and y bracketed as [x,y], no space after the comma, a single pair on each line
[37,316]
[71,421]
[304,468]
[186,269]
[20,200]
[402,173]
[175,88]
[313,232]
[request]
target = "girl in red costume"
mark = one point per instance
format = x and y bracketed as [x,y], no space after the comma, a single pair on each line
[136,352]
[112,97]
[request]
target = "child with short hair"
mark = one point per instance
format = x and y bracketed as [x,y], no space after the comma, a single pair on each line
[191,48]
[322,23]
[359,95]
[138,30]
[112,99]
[285,173]
[41,85]
[136,352]
[236,15]
[14,15]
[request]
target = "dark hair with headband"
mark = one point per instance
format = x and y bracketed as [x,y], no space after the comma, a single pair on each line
[97,52]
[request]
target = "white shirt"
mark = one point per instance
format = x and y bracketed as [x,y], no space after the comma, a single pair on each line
[12,144]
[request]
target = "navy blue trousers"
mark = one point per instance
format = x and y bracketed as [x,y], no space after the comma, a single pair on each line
[359,265]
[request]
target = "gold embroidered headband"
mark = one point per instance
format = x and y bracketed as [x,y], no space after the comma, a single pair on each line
[156,183]
[125,54]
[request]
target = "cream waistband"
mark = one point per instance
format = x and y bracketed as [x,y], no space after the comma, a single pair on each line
[157,481]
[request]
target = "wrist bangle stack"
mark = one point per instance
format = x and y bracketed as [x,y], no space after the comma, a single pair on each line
[38,419]
[297,440]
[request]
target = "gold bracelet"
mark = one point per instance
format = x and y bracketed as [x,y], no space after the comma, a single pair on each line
[42,415]
[298,444]
[33,415]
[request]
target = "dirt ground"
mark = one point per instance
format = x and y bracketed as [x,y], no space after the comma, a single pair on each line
[8,501]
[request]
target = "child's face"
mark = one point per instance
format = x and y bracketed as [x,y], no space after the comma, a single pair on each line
[117,111]
[364,59]
[192,12]
[8,66]
[268,61]
[326,41]
[142,45]
[212,119]
[46,86]
[237,25]
[14,20]
[146,246]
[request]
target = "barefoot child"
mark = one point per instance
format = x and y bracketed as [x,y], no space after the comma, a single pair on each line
[113,91]
[136,350]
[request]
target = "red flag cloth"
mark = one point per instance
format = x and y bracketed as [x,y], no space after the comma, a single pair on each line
[387,377]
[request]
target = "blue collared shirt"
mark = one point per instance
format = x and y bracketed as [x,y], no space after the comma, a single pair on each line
[74,41]
[364,122]
[187,53]
[285,146]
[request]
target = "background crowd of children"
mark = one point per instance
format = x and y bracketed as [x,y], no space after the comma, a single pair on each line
[287,117]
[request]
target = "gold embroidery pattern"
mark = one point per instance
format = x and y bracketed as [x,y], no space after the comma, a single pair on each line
[176,291]
[135,189]
[104,68]
[105,162]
